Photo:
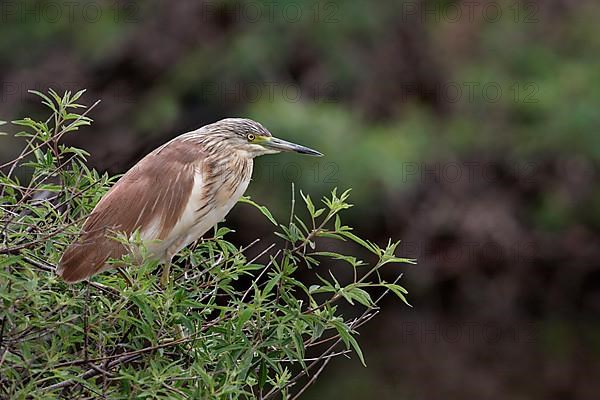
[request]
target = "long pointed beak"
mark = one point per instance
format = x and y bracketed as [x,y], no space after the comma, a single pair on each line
[282,145]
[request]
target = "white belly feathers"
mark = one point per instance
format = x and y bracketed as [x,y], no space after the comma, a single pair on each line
[197,218]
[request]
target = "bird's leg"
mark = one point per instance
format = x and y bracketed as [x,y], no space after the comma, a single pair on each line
[124,275]
[164,282]
[168,260]
[164,279]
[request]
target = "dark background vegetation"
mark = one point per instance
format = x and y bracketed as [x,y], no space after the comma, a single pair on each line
[467,129]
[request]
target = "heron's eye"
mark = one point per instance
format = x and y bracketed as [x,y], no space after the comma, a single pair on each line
[251,137]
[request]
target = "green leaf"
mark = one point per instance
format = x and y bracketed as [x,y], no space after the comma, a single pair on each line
[144,307]
[398,291]
[344,332]
[262,374]
[330,235]
[299,345]
[264,210]
[244,316]
[357,349]
[309,204]
[46,99]
[77,95]
[367,245]
[271,284]
[359,295]
[353,261]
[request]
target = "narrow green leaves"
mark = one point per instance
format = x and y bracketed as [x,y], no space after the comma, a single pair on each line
[349,340]
[264,210]
[230,325]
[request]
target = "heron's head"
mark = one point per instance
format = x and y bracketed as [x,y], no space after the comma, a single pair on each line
[253,139]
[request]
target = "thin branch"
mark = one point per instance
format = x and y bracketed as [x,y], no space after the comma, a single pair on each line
[10,250]
[313,379]
[92,372]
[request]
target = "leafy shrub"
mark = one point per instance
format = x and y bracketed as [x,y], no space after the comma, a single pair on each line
[228,326]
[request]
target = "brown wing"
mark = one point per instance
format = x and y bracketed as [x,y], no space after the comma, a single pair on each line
[157,188]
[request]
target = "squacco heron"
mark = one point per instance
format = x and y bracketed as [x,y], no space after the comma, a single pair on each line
[173,195]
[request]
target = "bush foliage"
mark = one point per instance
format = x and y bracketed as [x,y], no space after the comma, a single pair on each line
[228,325]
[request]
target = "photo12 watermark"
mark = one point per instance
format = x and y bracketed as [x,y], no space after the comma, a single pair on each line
[469,252]
[226,92]
[467,332]
[320,171]
[470,11]
[473,91]
[270,11]
[467,172]
[270,91]
[69,11]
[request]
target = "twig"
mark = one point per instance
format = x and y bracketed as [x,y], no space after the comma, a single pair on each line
[366,316]
[10,250]
[274,390]
[313,378]
[85,323]
[186,339]
[265,269]
[92,372]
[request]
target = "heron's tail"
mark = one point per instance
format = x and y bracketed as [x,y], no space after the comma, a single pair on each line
[76,263]
[87,256]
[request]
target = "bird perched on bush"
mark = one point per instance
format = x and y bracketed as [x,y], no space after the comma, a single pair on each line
[173,195]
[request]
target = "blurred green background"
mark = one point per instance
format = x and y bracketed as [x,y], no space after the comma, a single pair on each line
[468,129]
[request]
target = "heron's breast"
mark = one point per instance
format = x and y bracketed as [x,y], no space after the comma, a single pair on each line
[213,203]
[208,205]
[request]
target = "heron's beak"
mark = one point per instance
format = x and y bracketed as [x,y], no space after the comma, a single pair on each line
[282,145]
